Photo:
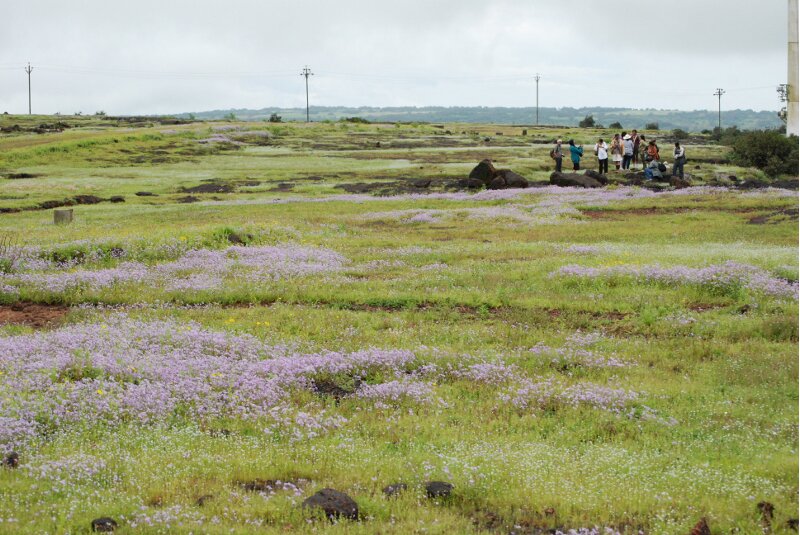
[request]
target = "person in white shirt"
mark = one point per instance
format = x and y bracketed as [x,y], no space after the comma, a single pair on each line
[680,159]
[601,149]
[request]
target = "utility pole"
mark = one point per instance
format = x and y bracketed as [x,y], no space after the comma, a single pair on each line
[718,93]
[792,126]
[537,78]
[28,69]
[307,72]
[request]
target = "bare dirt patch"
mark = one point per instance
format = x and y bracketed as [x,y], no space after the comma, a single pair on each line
[282,187]
[659,211]
[433,157]
[210,188]
[774,217]
[705,307]
[592,314]
[33,314]
[18,176]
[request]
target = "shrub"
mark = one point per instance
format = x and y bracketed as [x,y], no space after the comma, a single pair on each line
[680,134]
[615,124]
[275,118]
[769,151]
[359,120]
[726,136]
[587,122]
[651,126]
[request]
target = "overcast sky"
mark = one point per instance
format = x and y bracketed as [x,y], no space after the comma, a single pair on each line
[171,56]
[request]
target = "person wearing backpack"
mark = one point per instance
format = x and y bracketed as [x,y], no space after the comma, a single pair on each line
[575,154]
[601,149]
[557,154]
[636,141]
[652,151]
[680,159]
[627,151]
[643,151]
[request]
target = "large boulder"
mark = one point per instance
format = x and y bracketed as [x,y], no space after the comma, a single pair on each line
[512,179]
[786,184]
[655,185]
[333,503]
[497,182]
[679,183]
[573,180]
[485,174]
[591,173]
[636,178]
[484,171]
[752,184]
[468,183]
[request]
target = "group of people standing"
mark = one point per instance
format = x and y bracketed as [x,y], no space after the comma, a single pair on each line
[625,150]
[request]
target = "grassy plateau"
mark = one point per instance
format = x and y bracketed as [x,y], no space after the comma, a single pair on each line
[242,314]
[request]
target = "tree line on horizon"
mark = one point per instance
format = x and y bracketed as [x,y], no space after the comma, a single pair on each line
[692,121]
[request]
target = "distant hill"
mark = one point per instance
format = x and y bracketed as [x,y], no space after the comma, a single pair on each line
[692,121]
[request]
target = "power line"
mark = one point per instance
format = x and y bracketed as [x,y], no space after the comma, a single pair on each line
[307,72]
[163,74]
[410,77]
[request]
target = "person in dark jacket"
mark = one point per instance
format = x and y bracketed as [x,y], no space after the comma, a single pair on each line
[558,155]
[575,154]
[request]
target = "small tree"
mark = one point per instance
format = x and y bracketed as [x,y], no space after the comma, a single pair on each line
[587,122]
[651,126]
[192,117]
[680,134]
[726,136]
[230,116]
[769,151]
[100,113]
[616,124]
[275,118]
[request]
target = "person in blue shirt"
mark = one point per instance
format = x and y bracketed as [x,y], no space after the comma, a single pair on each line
[575,152]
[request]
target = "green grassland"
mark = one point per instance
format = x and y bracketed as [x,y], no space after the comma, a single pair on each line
[713,430]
